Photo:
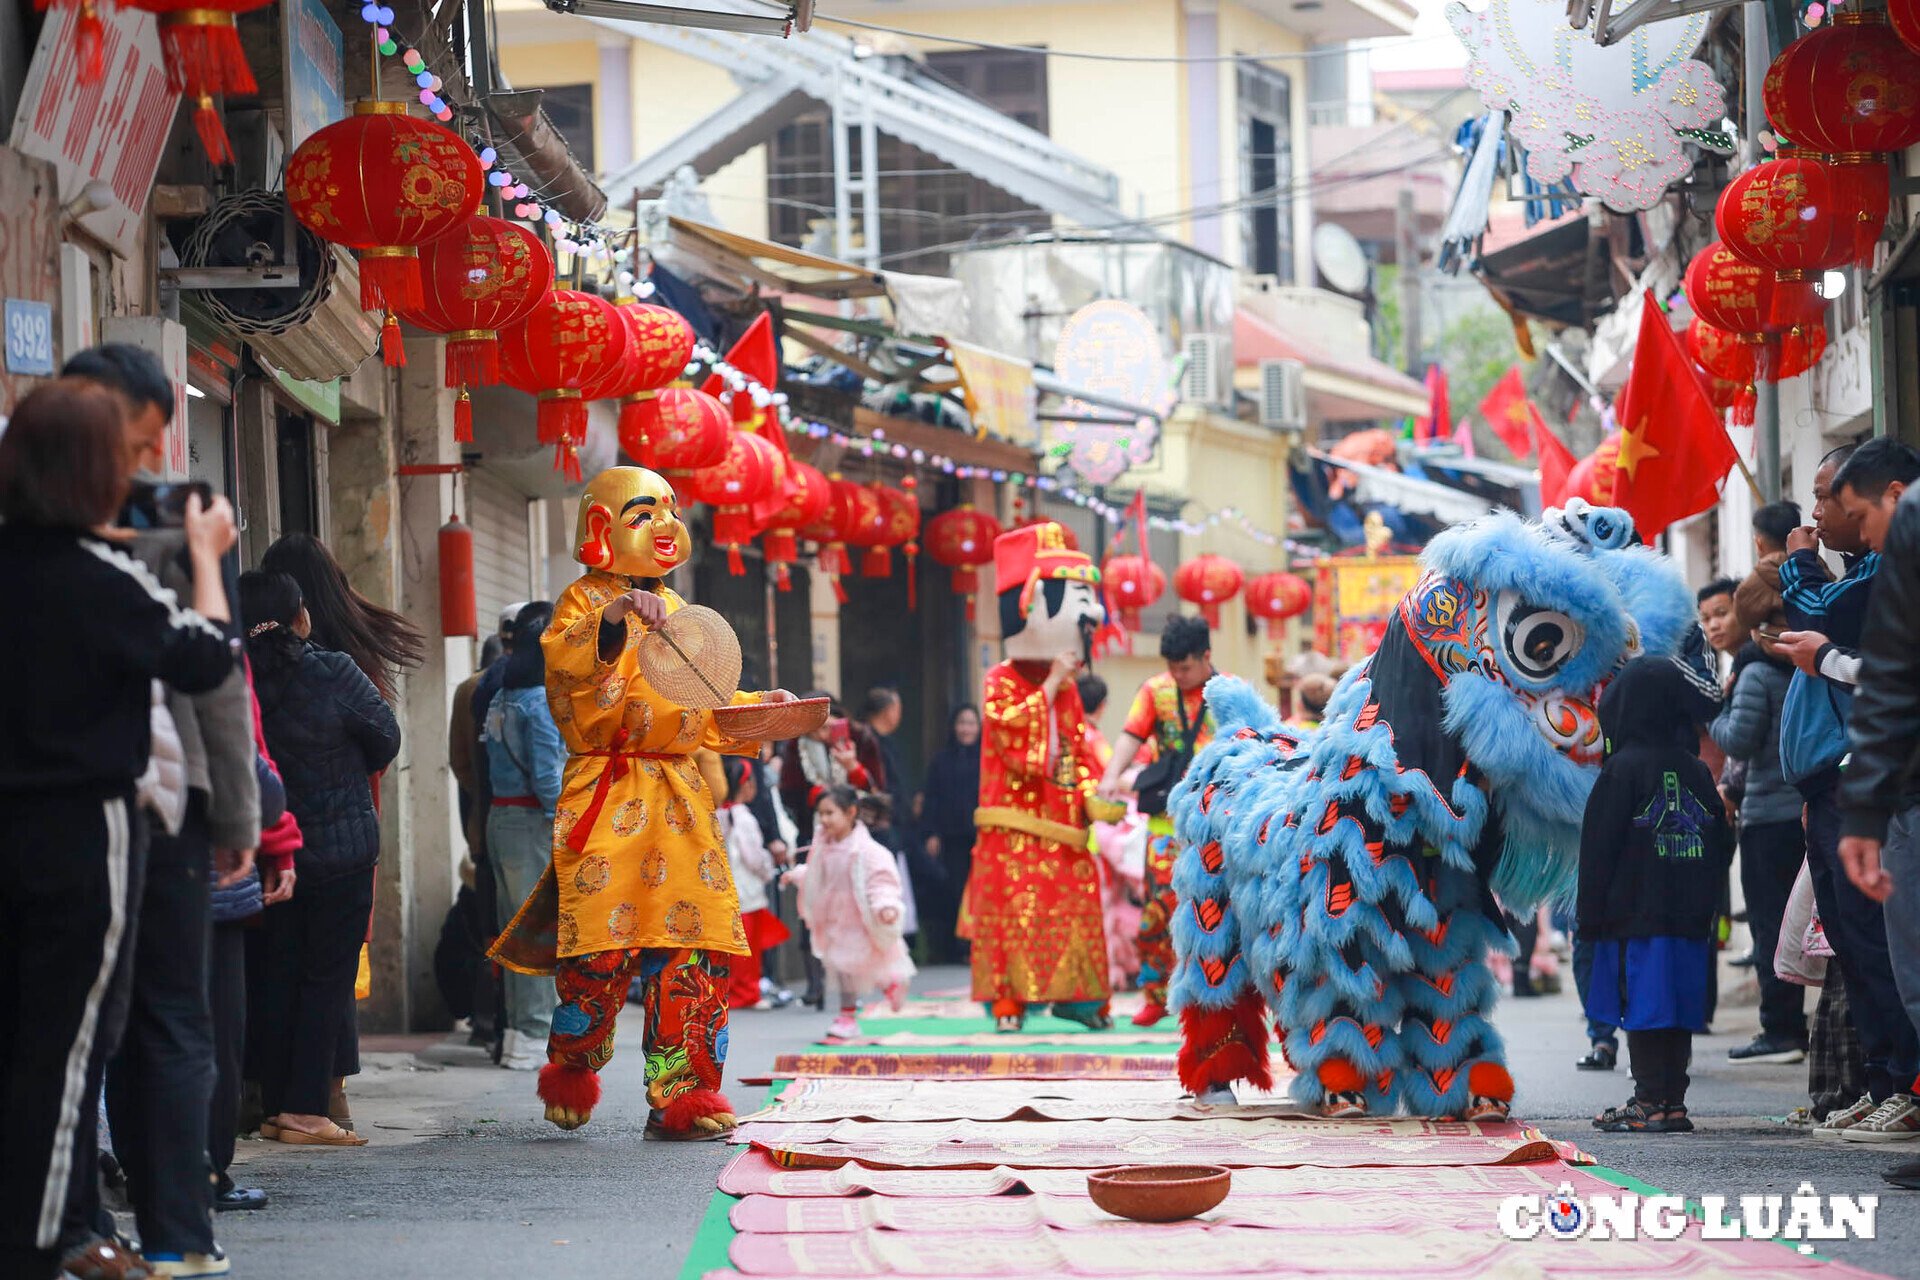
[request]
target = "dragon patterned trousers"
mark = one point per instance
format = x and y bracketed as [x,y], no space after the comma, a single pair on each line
[1154,941]
[684,996]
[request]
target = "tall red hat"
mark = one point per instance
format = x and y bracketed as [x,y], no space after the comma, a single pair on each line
[1036,553]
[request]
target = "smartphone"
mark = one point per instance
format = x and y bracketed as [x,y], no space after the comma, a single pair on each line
[1768,630]
[838,730]
[164,506]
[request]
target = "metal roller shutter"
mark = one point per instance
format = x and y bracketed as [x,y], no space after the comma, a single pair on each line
[502,553]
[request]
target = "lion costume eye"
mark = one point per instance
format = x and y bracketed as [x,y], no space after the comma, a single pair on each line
[1539,642]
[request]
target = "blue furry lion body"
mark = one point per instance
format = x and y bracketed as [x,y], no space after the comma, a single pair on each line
[1348,874]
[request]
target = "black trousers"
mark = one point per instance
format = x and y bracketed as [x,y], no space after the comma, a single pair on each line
[300,970]
[1770,858]
[1857,929]
[68,875]
[227,996]
[1659,1062]
[159,1083]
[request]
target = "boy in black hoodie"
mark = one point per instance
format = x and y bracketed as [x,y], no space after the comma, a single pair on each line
[1654,852]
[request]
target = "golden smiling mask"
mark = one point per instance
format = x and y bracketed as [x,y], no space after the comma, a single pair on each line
[630,524]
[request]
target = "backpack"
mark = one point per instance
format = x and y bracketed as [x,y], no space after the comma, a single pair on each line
[1813,727]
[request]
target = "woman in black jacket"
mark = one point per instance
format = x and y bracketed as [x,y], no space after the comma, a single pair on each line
[90,631]
[946,824]
[1654,852]
[328,730]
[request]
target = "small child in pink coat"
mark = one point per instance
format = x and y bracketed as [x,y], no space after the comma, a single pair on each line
[851,900]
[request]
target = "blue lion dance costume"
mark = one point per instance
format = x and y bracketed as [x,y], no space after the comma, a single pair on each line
[1346,876]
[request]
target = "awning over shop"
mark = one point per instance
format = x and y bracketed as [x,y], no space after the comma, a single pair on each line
[1407,493]
[1563,274]
[1355,388]
[770,265]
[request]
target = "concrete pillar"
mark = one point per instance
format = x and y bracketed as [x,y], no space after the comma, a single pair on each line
[825,612]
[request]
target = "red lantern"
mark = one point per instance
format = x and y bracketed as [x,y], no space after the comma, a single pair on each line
[383,184]
[1851,89]
[1593,476]
[568,342]
[896,524]
[1904,16]
[204,59]
[1739,297]
[809,496]
[676,432]
[1788,215]
[962,540]
[1208,581]
[745,476]
[1131,585]
[847,510]
[660,342]
[476,280]
[1277,597]
[1728,362]
[457,608]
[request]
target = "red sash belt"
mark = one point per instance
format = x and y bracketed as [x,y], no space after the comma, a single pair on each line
[515,802]
[616,769]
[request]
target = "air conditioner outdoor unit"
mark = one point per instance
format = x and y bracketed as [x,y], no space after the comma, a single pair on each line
[1207,377]
[1283,395]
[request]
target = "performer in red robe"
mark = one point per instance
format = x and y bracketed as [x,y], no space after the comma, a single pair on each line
[1035,891]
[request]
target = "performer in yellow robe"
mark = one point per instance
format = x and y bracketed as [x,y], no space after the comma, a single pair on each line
[1034,895]
[639,881]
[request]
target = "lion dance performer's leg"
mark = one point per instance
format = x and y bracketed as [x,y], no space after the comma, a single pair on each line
[1223,1018]
[1154,940]
[592,990]
[1455,1062]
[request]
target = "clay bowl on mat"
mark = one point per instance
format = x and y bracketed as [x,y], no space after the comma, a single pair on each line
[772,721]
[1159,1192]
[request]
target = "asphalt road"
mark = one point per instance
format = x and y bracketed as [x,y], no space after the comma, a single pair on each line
[464,1179]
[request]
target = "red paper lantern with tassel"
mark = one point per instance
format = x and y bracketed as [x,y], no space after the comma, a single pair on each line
[1791,216]
[383,183]
[1850,89]
[898,526]
[676,432]
[846,520]
[1277,597]
[1725,359]
[1208,581]
[568,342]
[809,497]
[660,342]
[745,476]
[1739,296]
[1132,583]
[201,43]
[962,540]
[475,281]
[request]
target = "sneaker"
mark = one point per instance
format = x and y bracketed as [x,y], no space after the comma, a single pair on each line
[1766,1048]
[844,1027]
[1839,1122]
[1603,1056]
[525,1058]
[896,996]
[1217,1095]
[1895,1120]
[1343,1106]
[189,1264]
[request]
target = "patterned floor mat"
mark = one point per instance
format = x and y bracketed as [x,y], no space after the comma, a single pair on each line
[843,1098]
[956,1066]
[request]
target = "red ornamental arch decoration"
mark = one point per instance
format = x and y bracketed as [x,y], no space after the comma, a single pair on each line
[1851,89]
[1738,296]
[568,342]
[962,540]
[484,275]
[1132,584]
[732,486]
[1208,581]
[676,432]
[382,183]
[1277,597]
[1790,215]
[809,497]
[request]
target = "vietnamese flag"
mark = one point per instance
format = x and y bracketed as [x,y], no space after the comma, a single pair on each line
[1437,422]
[1556,464]
[1674,450]
[1509,413]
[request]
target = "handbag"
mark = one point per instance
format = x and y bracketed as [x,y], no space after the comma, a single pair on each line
[1156,782]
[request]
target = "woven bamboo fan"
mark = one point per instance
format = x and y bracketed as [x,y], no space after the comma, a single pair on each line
[693,658]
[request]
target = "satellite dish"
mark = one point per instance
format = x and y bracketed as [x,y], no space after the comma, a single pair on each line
[1340,259]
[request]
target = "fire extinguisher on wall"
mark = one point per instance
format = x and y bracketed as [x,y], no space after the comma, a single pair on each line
[458,613]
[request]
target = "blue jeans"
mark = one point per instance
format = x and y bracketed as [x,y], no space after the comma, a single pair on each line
[1597,1032]
[519,846]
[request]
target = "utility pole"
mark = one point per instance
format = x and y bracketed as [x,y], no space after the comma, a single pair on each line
[1758,49]
[1407,256]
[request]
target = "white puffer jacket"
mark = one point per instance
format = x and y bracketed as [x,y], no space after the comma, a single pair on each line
[162,789]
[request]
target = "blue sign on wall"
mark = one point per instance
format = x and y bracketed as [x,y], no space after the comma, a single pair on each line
[313,52]
[29,337]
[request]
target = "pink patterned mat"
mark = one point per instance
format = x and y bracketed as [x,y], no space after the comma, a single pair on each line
[755,1173]
[1092,1144]
[961,1066]
[1012,1039]
[1432,1251]
[846,1098]
[961,1004]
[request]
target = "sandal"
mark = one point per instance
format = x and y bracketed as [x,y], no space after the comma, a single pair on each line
[1611,1114]
[1674,1121]
[1635,1117]
[105,1260]
[301,1138]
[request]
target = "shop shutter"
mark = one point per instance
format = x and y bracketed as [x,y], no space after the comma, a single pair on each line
[502,552]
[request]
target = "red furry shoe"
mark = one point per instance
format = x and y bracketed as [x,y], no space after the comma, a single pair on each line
[571,1094]
[1149,1013]
[693,1117]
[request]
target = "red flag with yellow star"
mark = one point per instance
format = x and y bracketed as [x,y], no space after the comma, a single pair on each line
[1674,450]
[1509,412]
